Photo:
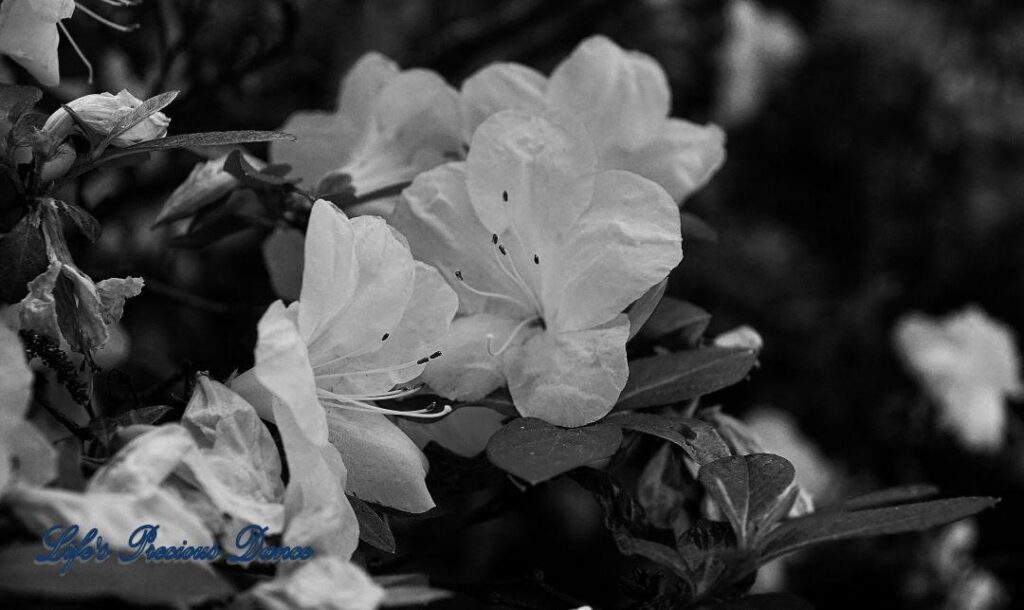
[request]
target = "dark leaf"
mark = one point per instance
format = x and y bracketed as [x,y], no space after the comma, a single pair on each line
[673,316]
[798,533]
[237,166]
[623,515]
[373,528]
[86,222]
[753,491]
[710,554]
[640,311]
[662,380]
[698,439]
[139,114]
[217,222]
[660,554]
[22,258]
[694,228]
[884,497]
[536,451]
[178,584]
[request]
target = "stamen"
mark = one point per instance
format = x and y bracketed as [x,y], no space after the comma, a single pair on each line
[511,336]
[516,277]
[390,394]
[385,337]
[501,249]
[78,50]
[339,401]
[384,369]
[484,293]
[504,196]
[536,259]
[110,24]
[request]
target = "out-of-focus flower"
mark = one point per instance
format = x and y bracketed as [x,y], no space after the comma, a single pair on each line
[102,111]
[968,363]
[25,454]
[389,126]
[206,183]
[368,319]
[29,35]
[760,46]
[326,583]
[741,336]
[545,252]
[622,98]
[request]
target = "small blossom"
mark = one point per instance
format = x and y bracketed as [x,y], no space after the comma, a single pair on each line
[102,111]
[969,365]
[389,126]
[367,321]
[545,252]
[622,98]
[29,35]
[741,336]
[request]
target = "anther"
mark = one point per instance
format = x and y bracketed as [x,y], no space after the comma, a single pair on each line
[434,355]
[423,360]
[502,250]
[504,196]
[458,274]
[536,259]
[385,337]
[494,238]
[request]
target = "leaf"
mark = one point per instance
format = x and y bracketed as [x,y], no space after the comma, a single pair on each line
[373,528]
[641,309]
[693,227]
[662,380]
[884,497]
[536,451]
[673,316]
[188,140]
[623,515]
[178,584]
[796,534]
[660,554]
[217,222]
[237,166]
[753,491]
[138,114]
[22,258]
[86,222]
[709,551]
[698,439]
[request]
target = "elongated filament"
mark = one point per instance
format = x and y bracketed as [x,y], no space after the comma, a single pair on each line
[383,369]
[340,401]
[484,293]
[511,336]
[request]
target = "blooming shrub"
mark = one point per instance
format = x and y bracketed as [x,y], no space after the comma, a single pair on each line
[472,308]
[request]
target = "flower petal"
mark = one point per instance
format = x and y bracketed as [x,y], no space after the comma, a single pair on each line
[283,368]
[283,257]
[386,277]
[621,96]
[682,158]
[28,34]
[419,334]
[36,457]
[325,583]
[466,371]
[500,86]
[363,83]
[442,228]
[530,175]
[569,378]
[15,381]
[627,241]
[384,465]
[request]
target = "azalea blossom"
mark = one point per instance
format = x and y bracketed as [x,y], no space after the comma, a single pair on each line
[103,111]
[323,583]
[367,321]
[968,363]
[545,251]
[29,35]
[622,98]
[389,126]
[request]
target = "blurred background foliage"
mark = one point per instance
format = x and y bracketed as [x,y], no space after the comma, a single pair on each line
[875,166]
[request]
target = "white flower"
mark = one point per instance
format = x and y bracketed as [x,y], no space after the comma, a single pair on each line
[326,583]
[545,252]
[388,127]
[968,363]
[102,111]
[622,98]
[29,36]
[367,320]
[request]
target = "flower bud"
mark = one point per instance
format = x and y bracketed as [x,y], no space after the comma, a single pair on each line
[102,111]
[741,336]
